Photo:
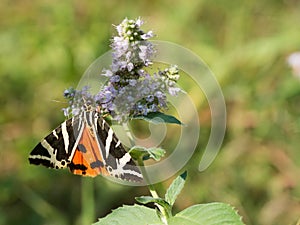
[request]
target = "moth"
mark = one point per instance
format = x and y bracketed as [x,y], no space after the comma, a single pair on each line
[87,145]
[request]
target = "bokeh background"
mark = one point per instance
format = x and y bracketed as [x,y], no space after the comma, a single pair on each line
[45,47]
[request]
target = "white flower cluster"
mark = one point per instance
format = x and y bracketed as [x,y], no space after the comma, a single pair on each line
[131,90]
[131,48]
[141,96]
[79,100]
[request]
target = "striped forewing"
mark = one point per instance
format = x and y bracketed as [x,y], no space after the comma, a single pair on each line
[87,145]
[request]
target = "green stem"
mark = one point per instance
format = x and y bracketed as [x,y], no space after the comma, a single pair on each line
[164,213]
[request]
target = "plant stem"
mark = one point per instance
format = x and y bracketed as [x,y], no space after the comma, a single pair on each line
[164,213]
[153,192]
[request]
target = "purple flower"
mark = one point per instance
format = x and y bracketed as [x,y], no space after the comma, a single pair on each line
[154,85]
[158,94]
[69,93]
[139,22]
[132,82]
[150,98]
[115,78]
[107,73]
[174,90]
[122,90]
[130,90]
[130,66]
[130,98]
[148,35]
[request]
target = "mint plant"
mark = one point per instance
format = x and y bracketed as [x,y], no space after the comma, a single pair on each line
[132,92]
[200,214]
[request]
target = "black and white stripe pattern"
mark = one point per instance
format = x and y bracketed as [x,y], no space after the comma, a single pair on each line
[58,148]
[119,163]
[55,150]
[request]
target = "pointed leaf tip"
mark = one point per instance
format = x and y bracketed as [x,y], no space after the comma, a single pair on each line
[175,188]
[183,175]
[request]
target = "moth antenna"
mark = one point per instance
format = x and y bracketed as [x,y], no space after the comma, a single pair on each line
[58,101]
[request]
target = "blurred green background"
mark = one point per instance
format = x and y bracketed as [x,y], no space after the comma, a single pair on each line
[45,47]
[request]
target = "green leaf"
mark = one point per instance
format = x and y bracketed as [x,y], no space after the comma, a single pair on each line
[207,214]
[158,117]
[137,152]
[175,188]
[133,215]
